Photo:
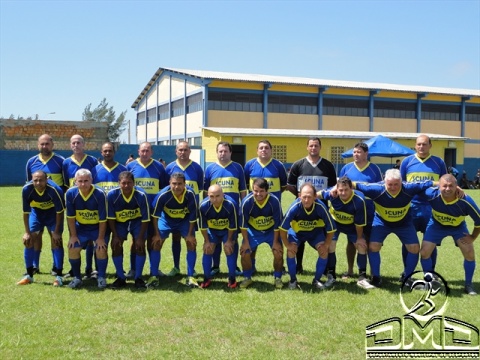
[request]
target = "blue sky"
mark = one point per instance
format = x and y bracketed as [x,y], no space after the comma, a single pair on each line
[59,56]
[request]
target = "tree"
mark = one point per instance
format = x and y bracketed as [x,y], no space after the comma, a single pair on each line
[104,113]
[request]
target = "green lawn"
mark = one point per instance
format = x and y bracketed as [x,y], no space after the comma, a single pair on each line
[39,321]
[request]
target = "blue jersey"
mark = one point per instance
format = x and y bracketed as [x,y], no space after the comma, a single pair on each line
[122,209]
[193,174]
[264,217]
[52,166]
[370,173]
[393,210]
[151,177]
[231,179]
[71,166]
[350,213]
[307,224]
[88,211]
[175,211]
[414,169]
[219,220]
[452,214]
[274,172]
[44,205]
[105,177]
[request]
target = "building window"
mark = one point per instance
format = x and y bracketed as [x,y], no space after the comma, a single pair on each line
[197,141]
[141,118]
[235,101]
[151,115]
[440,112]
[177,108]
[345,107]
[472,113]
[292,104]
[163,112]
[194,103]
[336,155]
[279,152]
[395,109]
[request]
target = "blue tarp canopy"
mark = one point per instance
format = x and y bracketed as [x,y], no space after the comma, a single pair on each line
[382,146]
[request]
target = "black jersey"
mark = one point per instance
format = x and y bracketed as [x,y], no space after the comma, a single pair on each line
[322,176]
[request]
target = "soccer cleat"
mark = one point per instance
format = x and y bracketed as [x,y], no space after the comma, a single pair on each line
[75,283]
[278,283]
[317,284]
[68,275]
[140,284]
[88,274]
[376,281]
[174,272]
[54,271]
[293,285]
[130,274]
[330,281]
[214,271]
[191,282]
[469,290]
[206,283]
[152,282]
[346,275]
[362,276]
[119,283]
[401,279]
[365,284]
[94,274]
[27,279]
[101,282]
[232,283]
[238,272]
[58,281]
[246,283]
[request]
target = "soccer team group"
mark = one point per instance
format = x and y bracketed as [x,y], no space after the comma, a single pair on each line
[105,202]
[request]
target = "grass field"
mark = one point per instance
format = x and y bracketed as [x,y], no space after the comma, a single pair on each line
[39,321]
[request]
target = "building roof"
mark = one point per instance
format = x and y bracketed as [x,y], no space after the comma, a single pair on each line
[324,133]
[256,78]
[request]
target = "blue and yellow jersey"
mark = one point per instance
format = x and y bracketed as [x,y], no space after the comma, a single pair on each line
[88,211]
[52,166]
[350,213]
[274,172]
[44,204]
[151,177]
[370,173]
[393,210]
[173,210]
[231,179]
[193,175]
[414,169]
[71,166]
[219,220]
[307,223]
[105,177]
[261,217]
[451,213]
[123,209]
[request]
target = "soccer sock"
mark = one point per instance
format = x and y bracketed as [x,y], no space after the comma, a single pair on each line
[58,255]
[102,267]
[236,250]
[207,266]
[133,258]
[154,262]
[232,265]
[75,264]
[404,256]
[36,258]
[375,261]
[176,251]
[362,262]
[292,268]
[89,256]
[216,256]
[191,260]
[299,256]
[276,274]
[434,258]
[118,262]
[320,267]
[254,262]
[139,263]
[426,264]
[469,267]
[332,263]
[412,261]
[28,255]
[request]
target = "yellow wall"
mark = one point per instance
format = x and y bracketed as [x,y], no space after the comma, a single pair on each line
[472,130]
[235,85]
[472,151]
[353,123]
[396,95]
[292,121]
[394,125]
[441,127]
[349,92]
[294,88]
[218,118]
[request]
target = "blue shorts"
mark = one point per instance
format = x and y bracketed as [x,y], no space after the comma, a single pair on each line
[37,224]
[351,237]
[129,227]
[407,234]
[85,236]
[218,237]
[421,215]
[315,238]
[256,238]
[167,228]
[436,233]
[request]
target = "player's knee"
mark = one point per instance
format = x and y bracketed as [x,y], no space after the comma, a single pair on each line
[192,245]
